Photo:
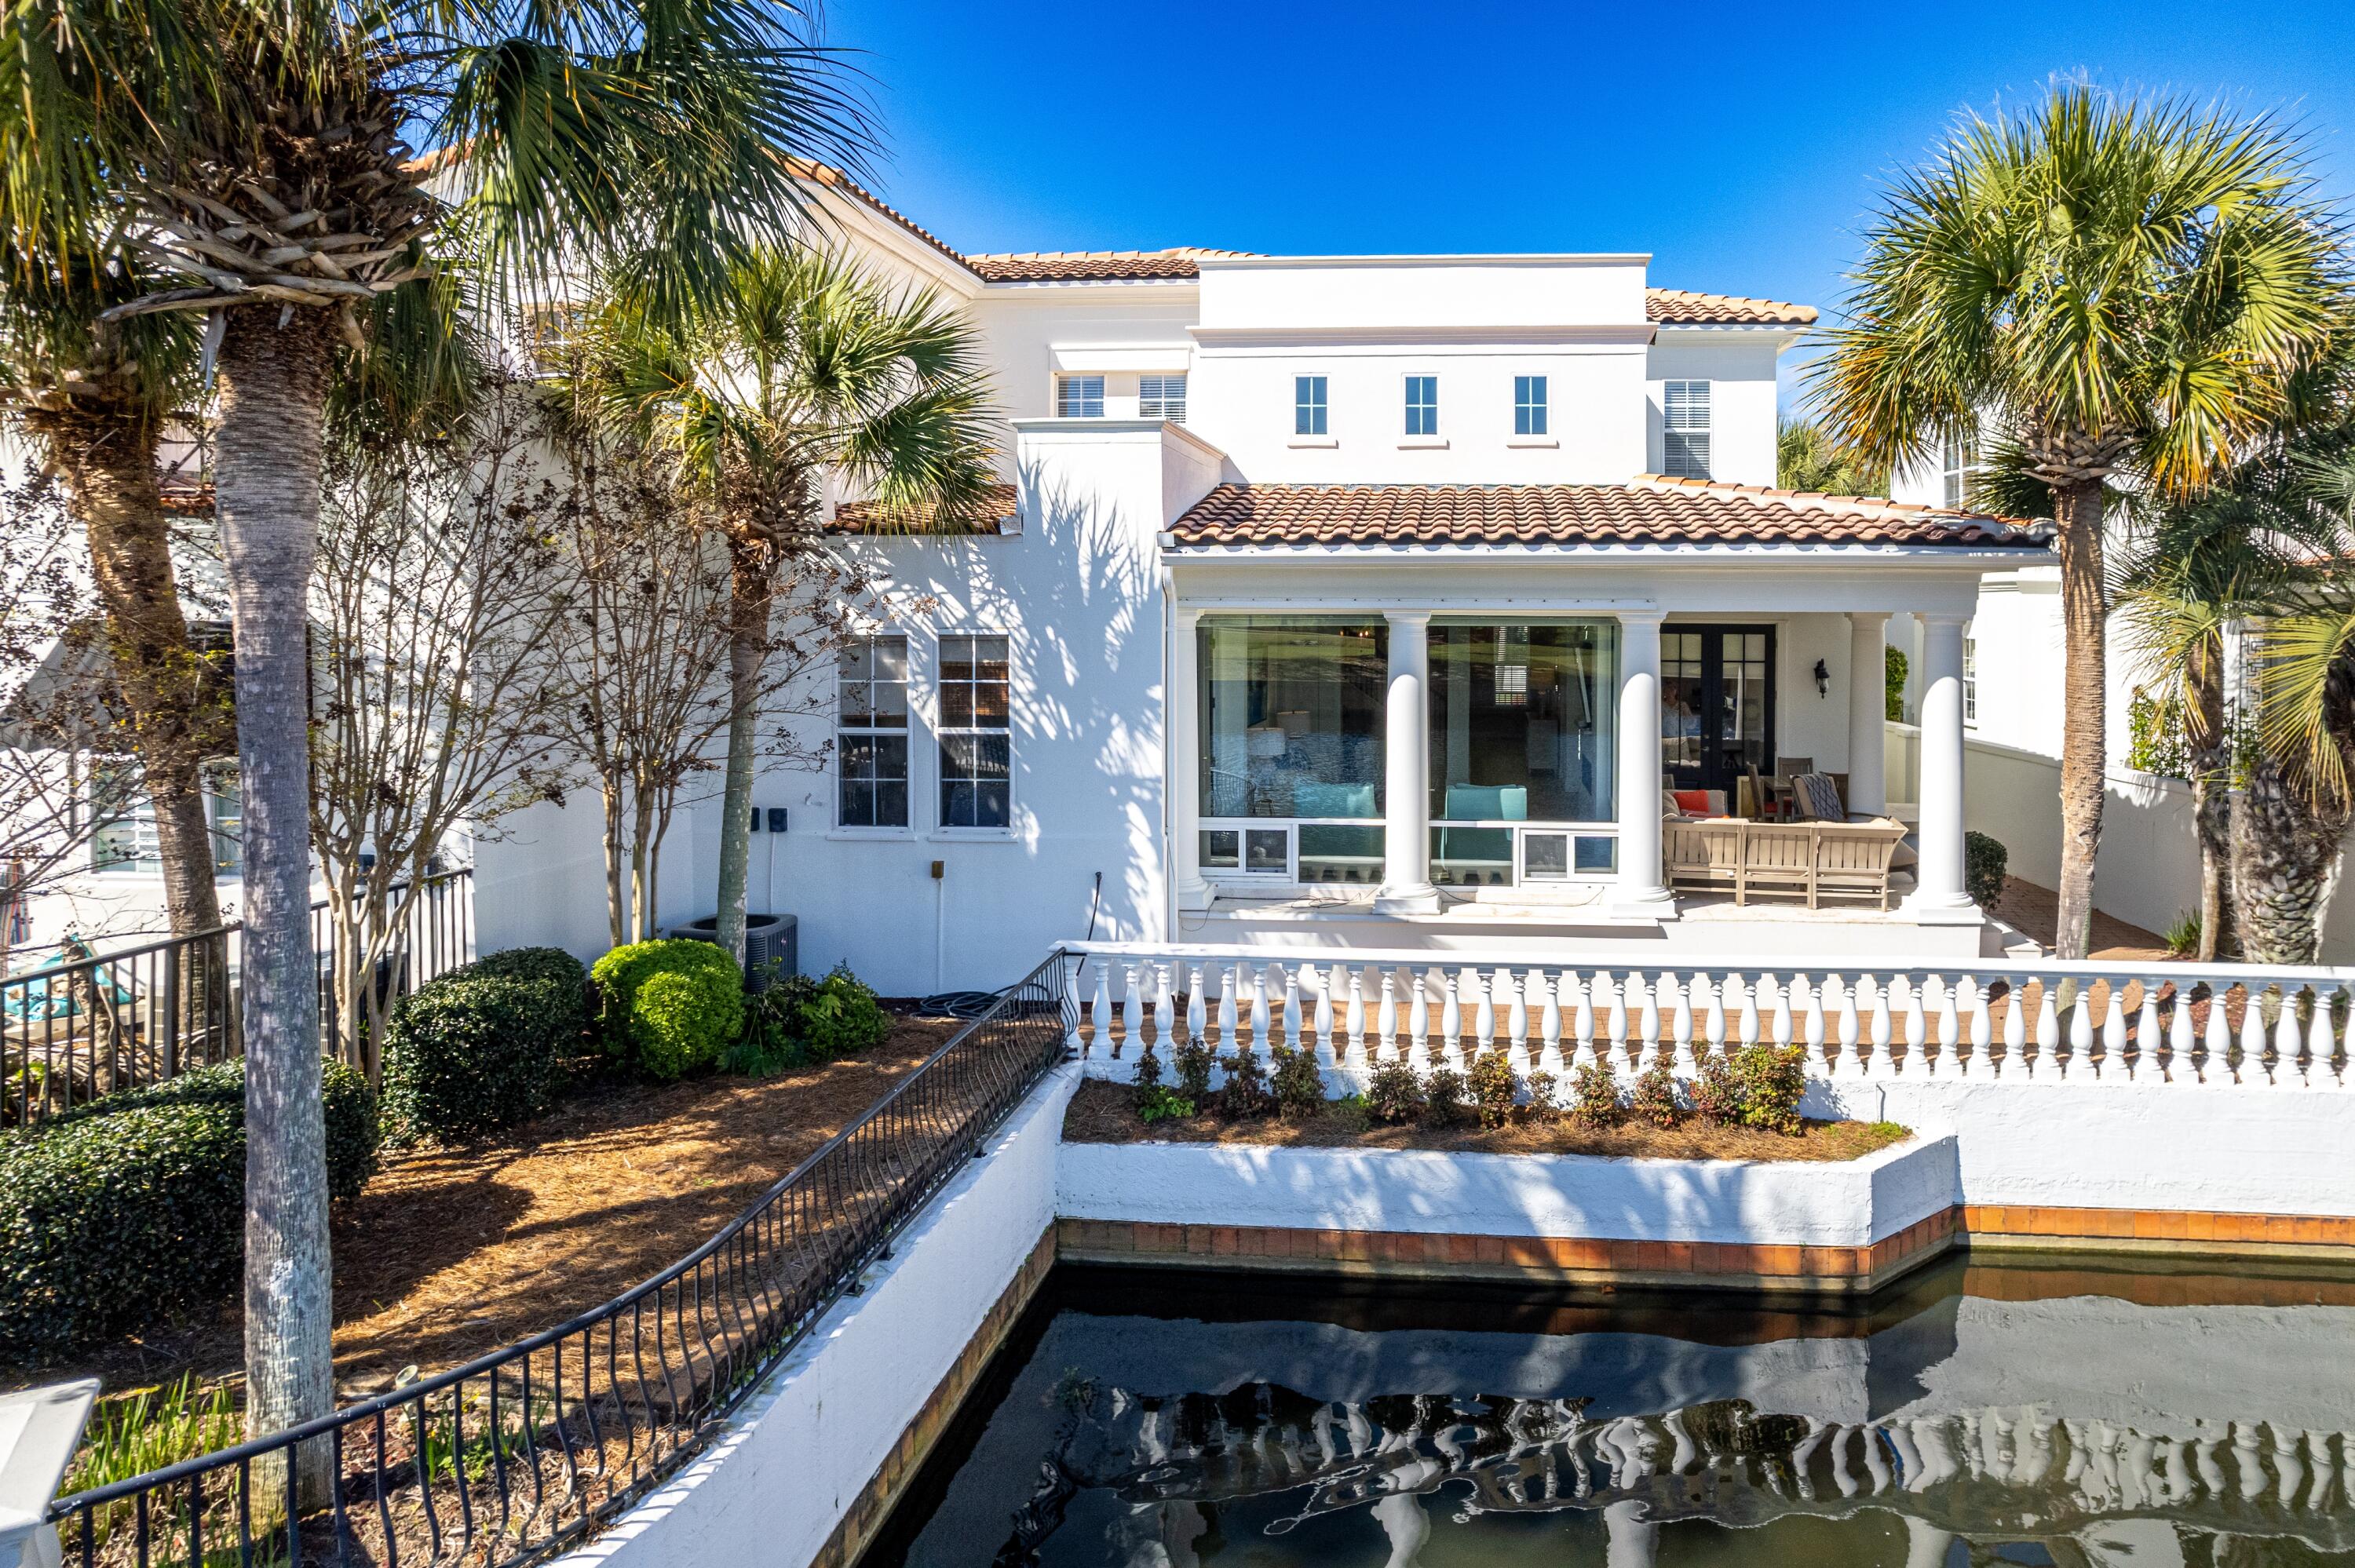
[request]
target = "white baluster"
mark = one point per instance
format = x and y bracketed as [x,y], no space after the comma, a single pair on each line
[1196,1014]
[1681,1022]
[1418,1022]
[1613,1046]
[1712,1017]
[1357,1016]
[1647,1017]
[1294,1035]
[1778,1010]
[1165,1022]
[1808,1005]
[1912,1018]
[1484,1011]
[2326,1041]
[1745,1028]
[2080,1030]
[1849,1027]
[2219,1035]
[2048,1025]
[1516,1019]
[1880,1027]
[2182,1068]
[1948,1025]
[1386,1017]
[2015,1026]
[1263,1040]
[1582,1016]
[2114,1029]
[2289,1050]
[1451,1023]
[2147,1035]
[1549,1022]
[1100,1011]
[1230,984]
[1328,1053]
[1132,1012]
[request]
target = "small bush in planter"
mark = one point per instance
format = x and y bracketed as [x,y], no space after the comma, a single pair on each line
[483,1046]
[838,1016]
[1160,1104]
[1594,1096]
[1717,1096]
[1246,1092]
[1985,861]
[1772,1079]
[1442,1098]
[1194,1063]
[1493,1088]
[1299,1086]
[1654,1098]
[669,1007]
[130,1213]
[1394,1094]
[1543,1105]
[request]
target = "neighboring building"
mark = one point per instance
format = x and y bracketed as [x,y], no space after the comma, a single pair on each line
[1340,601]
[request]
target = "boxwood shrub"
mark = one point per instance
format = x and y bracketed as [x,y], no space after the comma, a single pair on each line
[130,1213]
[668,1007]
[1985,861]
[483,1046]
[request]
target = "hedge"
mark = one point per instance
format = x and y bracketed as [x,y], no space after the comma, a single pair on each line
[130,1213]
[1985,861]
[483,1046]
[669,1007]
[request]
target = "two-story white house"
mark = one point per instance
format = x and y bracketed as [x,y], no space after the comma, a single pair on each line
[1350,600]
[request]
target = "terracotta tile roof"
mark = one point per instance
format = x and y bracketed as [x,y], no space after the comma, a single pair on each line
[1683,307]
[1652,510]
[1092,266]
[834,179]
[865,517]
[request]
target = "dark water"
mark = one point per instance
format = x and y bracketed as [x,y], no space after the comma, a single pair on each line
[1990,1414]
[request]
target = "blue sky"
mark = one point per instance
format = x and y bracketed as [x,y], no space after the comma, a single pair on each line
[1742,145]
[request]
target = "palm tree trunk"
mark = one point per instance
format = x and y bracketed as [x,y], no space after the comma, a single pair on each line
[2211,799]
[272,388]
[2286,856]
[111,464]
[748,649]
[2084,738]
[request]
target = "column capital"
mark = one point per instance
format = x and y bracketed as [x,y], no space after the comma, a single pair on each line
[1184,614]
[1407,617]
[1942,617]
[1647,616]
[1862,617]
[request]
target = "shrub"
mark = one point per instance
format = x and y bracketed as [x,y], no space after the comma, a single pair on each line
[1773,1077]
[669,1007]
[484,1045]
[2182,938]
[838,1016]
[1493,1088]
[1892,685]
[1194,1061]
[1442,1098]
[1717,1096]
[1246,1091]
[1594,1096]
[1654,1099]
[1985,861]
[131,1212]
[1543,1105]
[1158,1103]
[1299,1086]
[1394,1093]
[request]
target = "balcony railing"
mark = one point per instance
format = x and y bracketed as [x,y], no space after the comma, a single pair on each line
[2183,1024]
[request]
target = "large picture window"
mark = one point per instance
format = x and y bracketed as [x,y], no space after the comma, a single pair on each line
[976,733]
[1523,729]
[1292,730]
[871,732]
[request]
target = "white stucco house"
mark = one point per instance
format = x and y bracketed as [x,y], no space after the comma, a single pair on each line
[1349,601]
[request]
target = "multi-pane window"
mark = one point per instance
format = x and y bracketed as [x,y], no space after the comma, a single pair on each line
[1970,679]
[1957,461]
[1308,405]
[1161,398]
[1423,405]
[1529,405]
[125,839]
[976,733]
[1081,396]
[1684,410]
[871,732]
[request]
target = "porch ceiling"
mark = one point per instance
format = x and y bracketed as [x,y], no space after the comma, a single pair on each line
[1652,510]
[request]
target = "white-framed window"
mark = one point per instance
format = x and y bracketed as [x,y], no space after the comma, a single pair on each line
[1529,405]
[1684,424]
[1308,406]
[871,732]
[1081,396]
[1161,398]
[1970,677]
[976,731]
[1423,405]
[127,842]
[1958,459]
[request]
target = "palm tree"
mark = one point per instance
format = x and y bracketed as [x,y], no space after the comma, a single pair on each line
[1807,458]
[2119,289]
[252,153]
[96,397]
[803,365]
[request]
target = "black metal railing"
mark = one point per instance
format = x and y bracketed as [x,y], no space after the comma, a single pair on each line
[509,1456]
[88,1023]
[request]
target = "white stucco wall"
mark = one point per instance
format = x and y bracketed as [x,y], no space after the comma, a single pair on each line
[1739,364]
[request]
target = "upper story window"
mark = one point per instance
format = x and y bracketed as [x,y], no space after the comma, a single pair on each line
[976,733]
[126,842]
[1684,418]
[1308,405]
[871,732]
[1081,396]
[1423,405]
[1958,459]
[1529,405]
[1161,398]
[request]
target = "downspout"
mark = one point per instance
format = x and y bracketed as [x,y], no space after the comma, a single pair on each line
[1168,763]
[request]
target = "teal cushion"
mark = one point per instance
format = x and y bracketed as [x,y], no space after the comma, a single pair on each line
[1487,803]
[1333,800]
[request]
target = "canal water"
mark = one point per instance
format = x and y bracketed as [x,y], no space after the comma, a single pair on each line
[2058,1412]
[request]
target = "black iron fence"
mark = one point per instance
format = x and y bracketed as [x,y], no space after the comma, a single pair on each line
[84,1024]
[520,1451]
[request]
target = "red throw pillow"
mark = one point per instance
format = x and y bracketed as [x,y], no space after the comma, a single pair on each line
[1694,800]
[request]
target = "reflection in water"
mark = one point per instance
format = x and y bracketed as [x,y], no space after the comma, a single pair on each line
[2082,1429]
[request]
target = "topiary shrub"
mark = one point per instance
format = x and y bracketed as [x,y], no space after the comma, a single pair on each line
[483,1046]
[1594,1096]
[130,1213]
[1772,1079]
[1985,861]
[1394,1093]
[668,1007]
[1299,1086]
[1493,1088]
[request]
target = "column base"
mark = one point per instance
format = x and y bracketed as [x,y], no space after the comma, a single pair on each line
[1193,898]
[1407,898]
[1652,903]
[1926,911]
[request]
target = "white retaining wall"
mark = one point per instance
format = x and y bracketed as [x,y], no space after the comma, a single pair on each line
[795,1458]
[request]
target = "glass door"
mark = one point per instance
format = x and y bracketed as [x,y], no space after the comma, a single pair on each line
[1717,704]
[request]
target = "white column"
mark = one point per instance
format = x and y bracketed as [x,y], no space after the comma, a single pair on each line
[1406,770]
[1867,704]
[1183,702]
[1640,894]
[1938,895]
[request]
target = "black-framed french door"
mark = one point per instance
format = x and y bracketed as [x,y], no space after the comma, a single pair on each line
[1717,704]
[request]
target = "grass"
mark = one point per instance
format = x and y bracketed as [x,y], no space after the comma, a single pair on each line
[136,1433]
[2182,938]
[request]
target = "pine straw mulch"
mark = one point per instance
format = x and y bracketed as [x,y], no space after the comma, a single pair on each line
[1105,1112]
[452,1253]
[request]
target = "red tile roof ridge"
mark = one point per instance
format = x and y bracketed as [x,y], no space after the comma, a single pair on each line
[1698,308]
[1860,502]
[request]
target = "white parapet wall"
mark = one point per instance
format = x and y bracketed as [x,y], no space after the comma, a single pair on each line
[797,1457]
[1824,1203]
